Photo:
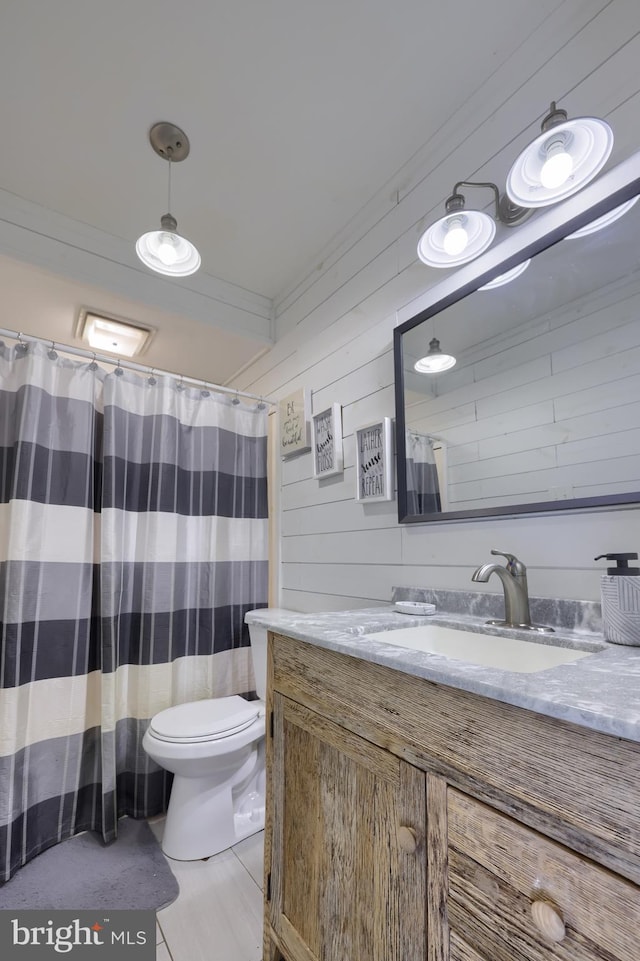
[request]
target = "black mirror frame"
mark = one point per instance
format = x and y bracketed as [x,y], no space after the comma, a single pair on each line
[614,199]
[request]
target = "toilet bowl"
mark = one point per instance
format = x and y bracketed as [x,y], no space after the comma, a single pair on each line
[215,749]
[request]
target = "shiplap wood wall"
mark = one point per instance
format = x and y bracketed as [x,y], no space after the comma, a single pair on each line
[335,328]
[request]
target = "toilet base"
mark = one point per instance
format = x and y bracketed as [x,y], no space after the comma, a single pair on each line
[207,815]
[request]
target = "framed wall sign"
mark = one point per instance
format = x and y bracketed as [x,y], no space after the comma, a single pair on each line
[327,442]
[374,461]
[295,417]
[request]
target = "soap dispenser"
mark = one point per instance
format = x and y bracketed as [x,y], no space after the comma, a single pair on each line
[620,590]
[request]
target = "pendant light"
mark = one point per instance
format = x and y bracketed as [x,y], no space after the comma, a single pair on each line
[561,161]
[462,235]
[164,250]
[609,218]
[507,276]
[435,361]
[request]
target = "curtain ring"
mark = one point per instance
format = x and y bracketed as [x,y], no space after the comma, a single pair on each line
[22,346]
[204,392]
[236,400]
[118,372]
[260,405]
[51,354]
[151,379]
[180,384]
[93,365]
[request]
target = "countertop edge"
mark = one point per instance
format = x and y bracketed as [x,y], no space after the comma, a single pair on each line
[600,692]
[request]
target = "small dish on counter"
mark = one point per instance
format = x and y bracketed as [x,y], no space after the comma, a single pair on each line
[414,607]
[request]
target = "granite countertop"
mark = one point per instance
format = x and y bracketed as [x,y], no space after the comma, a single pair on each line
[601,691]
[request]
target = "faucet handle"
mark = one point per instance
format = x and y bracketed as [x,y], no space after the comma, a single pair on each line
[514,566]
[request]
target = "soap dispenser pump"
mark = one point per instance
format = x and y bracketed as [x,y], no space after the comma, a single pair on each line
[620,591]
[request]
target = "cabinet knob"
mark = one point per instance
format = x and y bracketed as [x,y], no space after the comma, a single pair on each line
[548,920]
[407,839]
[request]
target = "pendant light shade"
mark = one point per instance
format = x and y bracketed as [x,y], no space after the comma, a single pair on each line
[164,250]
[507,276]
[458,237]
[562,160]
[609,218]
[435,360]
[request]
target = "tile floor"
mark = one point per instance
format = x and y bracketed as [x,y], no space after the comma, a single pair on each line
[218,914]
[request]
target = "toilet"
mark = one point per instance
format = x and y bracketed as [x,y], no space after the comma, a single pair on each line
[215,749]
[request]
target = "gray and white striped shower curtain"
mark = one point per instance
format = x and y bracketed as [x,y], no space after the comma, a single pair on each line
[133,539]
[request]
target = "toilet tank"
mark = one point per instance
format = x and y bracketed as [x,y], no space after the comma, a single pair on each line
[258,638]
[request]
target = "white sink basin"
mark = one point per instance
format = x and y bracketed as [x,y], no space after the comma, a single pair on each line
[504,653]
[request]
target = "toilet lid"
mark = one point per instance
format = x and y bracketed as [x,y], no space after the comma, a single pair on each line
[205,720]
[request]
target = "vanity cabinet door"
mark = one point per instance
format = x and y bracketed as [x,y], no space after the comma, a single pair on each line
[516,895]
[347,847]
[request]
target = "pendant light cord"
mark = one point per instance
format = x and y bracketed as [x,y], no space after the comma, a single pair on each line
[169,152]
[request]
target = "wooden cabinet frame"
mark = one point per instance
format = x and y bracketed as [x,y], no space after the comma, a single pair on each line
[573,785]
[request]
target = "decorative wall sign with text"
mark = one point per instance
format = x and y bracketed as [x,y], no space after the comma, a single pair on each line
[374,461]
[295,415]
[327,442]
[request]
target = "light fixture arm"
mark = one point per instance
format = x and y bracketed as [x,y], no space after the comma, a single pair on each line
[456,201]
[506,212]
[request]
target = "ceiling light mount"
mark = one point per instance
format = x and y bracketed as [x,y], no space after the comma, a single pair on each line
[169,142]
[511,214]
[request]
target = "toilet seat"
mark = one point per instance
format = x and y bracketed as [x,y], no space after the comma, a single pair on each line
[207,720]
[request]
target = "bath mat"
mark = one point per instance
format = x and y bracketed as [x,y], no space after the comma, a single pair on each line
[84,873]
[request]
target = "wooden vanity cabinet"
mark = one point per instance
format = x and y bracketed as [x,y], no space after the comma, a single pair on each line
[347,872]
[513,893]
[407,821]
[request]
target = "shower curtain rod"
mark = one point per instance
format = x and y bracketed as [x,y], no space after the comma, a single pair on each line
[130,365]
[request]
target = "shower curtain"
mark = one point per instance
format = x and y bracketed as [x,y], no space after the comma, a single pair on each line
[133,539]
[423,489]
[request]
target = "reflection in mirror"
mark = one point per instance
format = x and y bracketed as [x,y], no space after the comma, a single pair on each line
[542,410]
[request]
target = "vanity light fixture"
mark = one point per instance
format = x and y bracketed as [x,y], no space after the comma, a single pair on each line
[462,235]
[507,276]
[164,250]
[609,218]
[435,361]
[563,159]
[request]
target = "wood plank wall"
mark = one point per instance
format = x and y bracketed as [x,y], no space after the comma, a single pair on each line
[335,329]
[506,410]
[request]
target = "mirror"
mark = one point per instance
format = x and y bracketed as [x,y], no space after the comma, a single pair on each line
[542,410]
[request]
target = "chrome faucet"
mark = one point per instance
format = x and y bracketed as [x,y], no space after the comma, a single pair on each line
[516,592]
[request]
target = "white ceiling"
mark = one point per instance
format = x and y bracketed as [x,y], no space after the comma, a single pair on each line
[298,113]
